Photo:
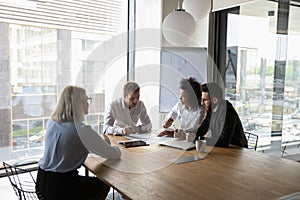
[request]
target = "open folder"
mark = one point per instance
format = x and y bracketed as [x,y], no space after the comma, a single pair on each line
[177,143]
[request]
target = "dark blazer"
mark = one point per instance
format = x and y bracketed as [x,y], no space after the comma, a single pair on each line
[225,126]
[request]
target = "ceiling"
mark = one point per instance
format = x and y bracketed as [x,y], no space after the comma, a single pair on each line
[261,8]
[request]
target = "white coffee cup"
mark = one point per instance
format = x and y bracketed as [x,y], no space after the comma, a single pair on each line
[200,145]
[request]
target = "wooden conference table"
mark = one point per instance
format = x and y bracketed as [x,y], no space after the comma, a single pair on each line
[224,173]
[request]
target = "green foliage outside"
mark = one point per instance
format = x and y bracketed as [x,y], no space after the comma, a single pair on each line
[23,132]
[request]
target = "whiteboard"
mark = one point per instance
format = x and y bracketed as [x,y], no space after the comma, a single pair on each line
[178,63]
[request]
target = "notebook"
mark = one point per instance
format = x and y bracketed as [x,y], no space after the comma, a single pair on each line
[177,143]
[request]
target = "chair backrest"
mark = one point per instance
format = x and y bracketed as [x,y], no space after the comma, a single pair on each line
[252,140]
[22,182]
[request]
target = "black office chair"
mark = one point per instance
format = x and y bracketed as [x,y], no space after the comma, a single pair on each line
[22,182]
[252,140]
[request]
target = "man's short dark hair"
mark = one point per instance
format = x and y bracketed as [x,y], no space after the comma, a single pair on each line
[204,88]
[215,90]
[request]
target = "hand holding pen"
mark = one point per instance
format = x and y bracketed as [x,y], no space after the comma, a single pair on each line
[128,130]
[169,133]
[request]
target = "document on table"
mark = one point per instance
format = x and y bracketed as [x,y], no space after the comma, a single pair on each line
[150,138]
[177,143]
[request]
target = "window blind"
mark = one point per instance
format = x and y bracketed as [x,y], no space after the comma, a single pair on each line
[100,16]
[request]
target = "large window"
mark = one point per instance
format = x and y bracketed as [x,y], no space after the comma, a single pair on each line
[41,53]
[33,89]
[262,73]
[147,55]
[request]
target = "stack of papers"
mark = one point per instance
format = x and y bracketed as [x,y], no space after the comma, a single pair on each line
[151,138]
[177,143]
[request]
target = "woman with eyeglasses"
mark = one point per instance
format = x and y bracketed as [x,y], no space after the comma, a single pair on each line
[67,144]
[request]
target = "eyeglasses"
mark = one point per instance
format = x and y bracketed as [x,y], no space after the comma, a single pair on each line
[89,100]
[203,100]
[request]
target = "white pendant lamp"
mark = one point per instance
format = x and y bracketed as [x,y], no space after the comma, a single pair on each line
[179,26]
[199,9]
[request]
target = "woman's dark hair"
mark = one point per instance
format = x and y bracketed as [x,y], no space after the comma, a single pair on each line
[193,89]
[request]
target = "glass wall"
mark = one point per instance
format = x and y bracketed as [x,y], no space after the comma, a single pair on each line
[147,55]
[40,57]
[291,106]
[263,72]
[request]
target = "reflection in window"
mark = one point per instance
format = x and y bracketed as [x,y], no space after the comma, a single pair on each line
[250,71]
[250,83]
[41,62]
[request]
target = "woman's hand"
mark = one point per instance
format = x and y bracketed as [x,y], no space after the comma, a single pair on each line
[168,123]
[168,133]
[179,133]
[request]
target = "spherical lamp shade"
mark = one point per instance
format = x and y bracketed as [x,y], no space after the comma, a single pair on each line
[178,28]
[199,9]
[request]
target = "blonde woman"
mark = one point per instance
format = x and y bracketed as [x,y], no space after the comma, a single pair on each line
[67,144]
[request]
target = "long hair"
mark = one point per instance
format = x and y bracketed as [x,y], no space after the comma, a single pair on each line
[70,105]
